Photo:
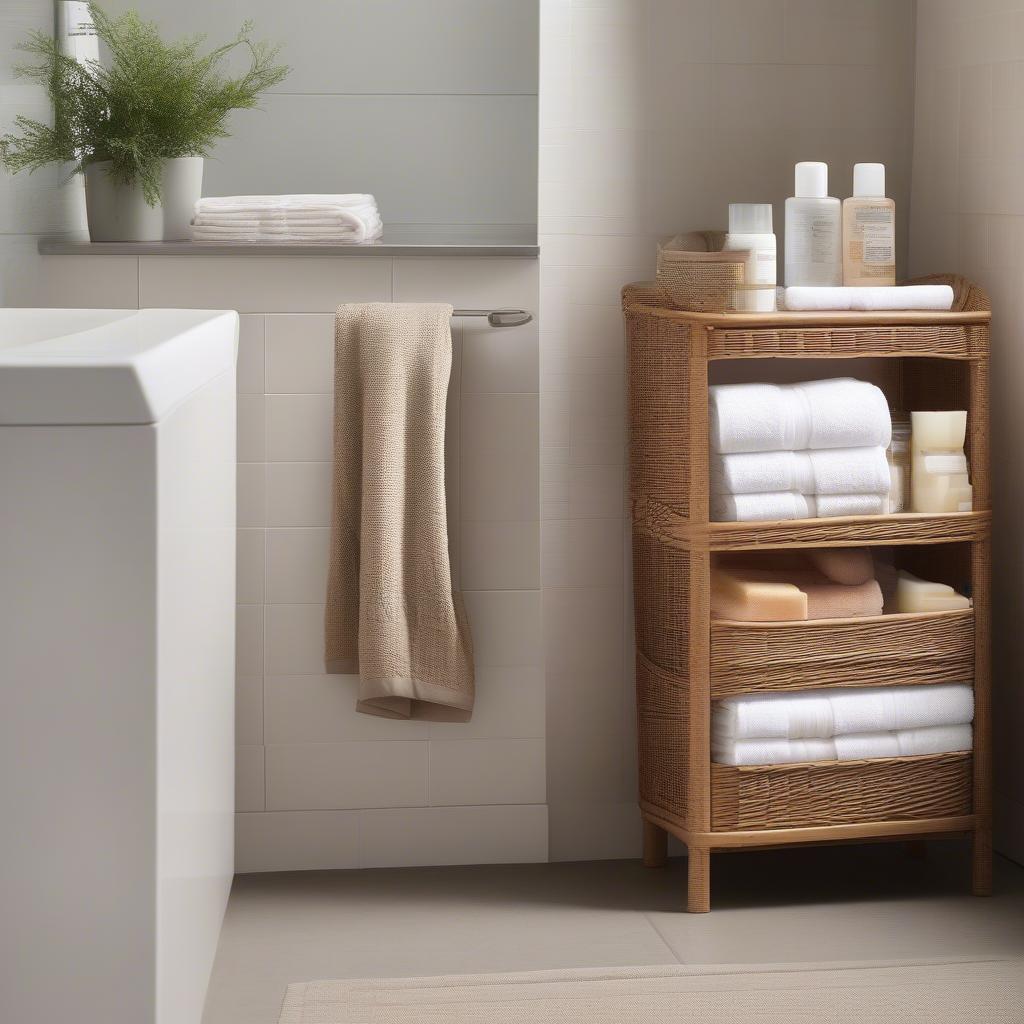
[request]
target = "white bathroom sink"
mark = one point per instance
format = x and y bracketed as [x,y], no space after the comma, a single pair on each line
[60,366]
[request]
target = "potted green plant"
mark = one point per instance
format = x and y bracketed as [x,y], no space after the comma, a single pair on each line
[138,125]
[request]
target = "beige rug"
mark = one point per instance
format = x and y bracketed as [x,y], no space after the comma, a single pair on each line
[947,992]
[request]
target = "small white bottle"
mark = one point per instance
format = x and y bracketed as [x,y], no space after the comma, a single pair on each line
[750,227]
[814,251]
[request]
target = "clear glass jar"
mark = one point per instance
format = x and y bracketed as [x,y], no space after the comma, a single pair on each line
[898,457]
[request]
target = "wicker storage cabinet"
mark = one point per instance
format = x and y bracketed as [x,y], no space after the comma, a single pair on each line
[686,660]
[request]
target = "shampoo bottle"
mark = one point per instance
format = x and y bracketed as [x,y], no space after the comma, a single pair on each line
[813,230]
[869,230]
[750,228]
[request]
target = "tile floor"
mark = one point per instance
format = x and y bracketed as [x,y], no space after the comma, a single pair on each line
[837,903]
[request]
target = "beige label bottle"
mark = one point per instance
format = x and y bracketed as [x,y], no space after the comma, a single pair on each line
[869,230]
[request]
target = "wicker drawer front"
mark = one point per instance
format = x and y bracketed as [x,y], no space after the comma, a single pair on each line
[964,341]
[888,649]
[840,793]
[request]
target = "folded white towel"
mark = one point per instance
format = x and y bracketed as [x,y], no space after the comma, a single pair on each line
[774,506]
[821,471]
[913,296]
[314,218]
[853,747]
[837,413]
[824,713]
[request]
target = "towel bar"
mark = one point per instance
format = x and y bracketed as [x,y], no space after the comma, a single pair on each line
[499,317]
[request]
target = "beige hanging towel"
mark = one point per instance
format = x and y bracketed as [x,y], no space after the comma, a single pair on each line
[392,616]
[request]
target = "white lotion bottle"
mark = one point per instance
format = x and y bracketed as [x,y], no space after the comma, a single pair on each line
[750,228]
[814,250]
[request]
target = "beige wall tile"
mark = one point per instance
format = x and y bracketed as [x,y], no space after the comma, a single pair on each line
[249,709]
[332,776]
[250,566]
[322,709]
[297,562]
[262,284]
[295,639]
[453,835]
[486,771]
[251,353]
[249,639]
[506,627]
[300,428]
[298,494]
[296,841]
[300,354]
[500,555]
[249,778]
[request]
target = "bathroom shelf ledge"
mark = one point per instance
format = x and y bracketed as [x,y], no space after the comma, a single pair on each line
[399,241]
[666,525]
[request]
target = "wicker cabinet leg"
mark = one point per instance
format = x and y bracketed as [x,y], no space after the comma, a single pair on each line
[698,881]
[655,845]
[981,863]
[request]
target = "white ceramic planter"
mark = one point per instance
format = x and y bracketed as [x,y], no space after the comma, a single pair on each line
[120,213]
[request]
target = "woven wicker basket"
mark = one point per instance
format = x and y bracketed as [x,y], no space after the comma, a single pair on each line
[696,276]
[686,660]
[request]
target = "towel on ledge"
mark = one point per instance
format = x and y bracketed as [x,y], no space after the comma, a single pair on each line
[837,413]
[391,613]
[327,219]
[822,714]
[911,296]
[812,471]
[857,747]
[771,507]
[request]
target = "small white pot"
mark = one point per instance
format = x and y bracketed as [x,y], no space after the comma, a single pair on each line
[120,213]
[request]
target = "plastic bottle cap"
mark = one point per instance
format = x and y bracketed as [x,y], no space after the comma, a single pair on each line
[869,180]
[811,179]
[750,218]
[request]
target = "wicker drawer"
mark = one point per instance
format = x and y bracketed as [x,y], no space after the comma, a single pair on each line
[937,647]
[840,792]
[954,341]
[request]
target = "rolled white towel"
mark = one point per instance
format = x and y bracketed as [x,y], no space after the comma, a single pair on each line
[820,471]
[837,413]
[776,506]
[944,739]
[825,713]
[912,296]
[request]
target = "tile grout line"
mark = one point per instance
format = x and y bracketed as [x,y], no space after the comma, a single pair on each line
[664,941]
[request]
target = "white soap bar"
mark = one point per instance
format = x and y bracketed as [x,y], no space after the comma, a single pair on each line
[939,480]
[917,595]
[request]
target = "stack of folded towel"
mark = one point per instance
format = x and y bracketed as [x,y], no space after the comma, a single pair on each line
[798,451]
[831,583]
[325,219]
[842,724]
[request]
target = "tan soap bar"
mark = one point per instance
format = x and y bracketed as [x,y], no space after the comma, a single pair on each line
[917,595]
[752,600]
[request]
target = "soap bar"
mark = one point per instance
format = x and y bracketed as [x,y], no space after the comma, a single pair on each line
[939,480]
[829,600]
[917,595]
[750,600]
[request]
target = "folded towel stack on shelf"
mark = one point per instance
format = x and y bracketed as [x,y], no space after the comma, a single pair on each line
[798,451]
[791,586]
[842,724]
[307,219]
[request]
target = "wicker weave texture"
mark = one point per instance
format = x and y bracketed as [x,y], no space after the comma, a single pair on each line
[662,716]
[885,650]
[840,792]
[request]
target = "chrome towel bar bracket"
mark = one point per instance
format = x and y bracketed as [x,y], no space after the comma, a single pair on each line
[499,317]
